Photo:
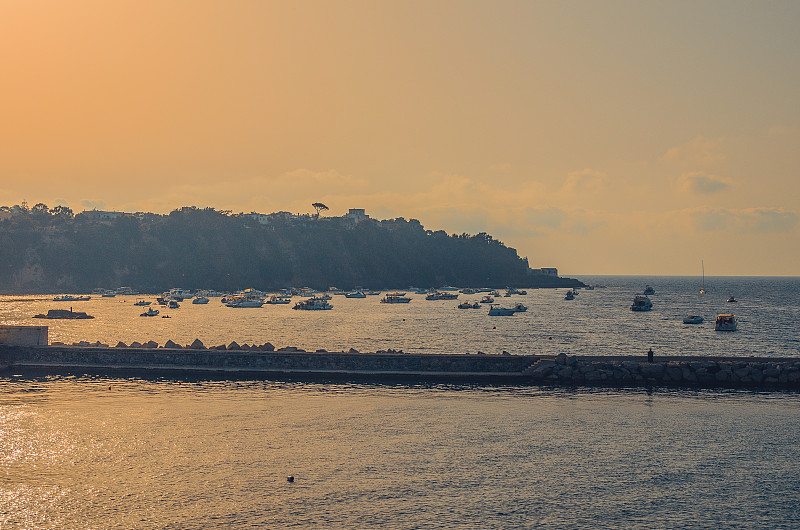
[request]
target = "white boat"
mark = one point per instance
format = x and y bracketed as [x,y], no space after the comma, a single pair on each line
[109,294]
[313,304]
[649,290]
[71,298]
[732,300]
[355,294]
[693,319]
[488,299]
[245,301]
[142,303]
[173,304]
[395,298]
[570,295]
[469,305]
[200,300]
[641,303]
[441,295]
[725,322]
[278,300]
[703,286]
[497,311]
[519,308]
[150,312]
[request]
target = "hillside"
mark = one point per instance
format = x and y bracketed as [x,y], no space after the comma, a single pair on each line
[43,250]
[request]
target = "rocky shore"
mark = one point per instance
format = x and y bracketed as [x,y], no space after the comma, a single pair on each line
[268,361]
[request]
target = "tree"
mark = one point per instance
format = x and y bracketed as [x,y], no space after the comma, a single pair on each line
[318,206]
[62,211]
[40,208]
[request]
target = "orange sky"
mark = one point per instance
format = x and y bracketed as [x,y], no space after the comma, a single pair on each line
[597,137]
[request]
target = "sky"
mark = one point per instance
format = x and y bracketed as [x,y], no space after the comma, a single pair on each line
[614,137]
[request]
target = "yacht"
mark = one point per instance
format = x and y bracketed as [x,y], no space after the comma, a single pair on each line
[497,311]
[725,322]
[278,300]
[71,298]
[649,290]
[200,300]
[245,301]
[641,303]
[395,298]
[355,294]
[469,305]
[313,304]
[693,319]
[142,303]
[488,299]
[519,308]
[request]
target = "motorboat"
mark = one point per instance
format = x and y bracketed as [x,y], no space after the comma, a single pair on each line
[313,304]
[355,294]
[150,312]
[693,319]
[519,308]
[245,301]
[71,298]
[497,311]
[570,295]
[200,300]
[395,298]
[648,290]
[725,322]
[488,299]
[173,304]
[109,294]
[641,303]
[469,305]
[467,290]
[142,303]
[441,295]
[511,291]
[278,300]
[732,300]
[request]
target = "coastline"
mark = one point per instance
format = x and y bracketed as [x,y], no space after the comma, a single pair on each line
[559,370]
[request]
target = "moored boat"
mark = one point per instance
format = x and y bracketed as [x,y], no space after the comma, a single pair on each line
[570,295]
[278,300]
[641,303]
[150,312]
[497,311]
[693,319]
[488,299]
[725,322]
[519,308]
[142,303]
[200,300]
[395,298]
[649,290]
[469,305]
[71,298]
[355,294]
[313,304]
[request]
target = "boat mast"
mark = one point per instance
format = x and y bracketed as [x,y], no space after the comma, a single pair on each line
[703,288]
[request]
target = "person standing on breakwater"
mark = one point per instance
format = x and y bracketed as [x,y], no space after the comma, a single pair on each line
[650,355]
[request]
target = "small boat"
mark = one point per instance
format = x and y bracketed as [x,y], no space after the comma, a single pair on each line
[173,304]
[142,303]
[649,290]
[395,298]
[277,300]
[71,298]
[732,300]
[469,305]
[725,322]
[692,319]
[488,299]
[641,303]
[570,295]
[497,311]
[109,294]
[313,304]
[150,312]
[355,294]
[519,308]
[165,316]
[200,300]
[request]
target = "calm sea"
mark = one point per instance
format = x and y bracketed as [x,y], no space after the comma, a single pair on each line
[94,452]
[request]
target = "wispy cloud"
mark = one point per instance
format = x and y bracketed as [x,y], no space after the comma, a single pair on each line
[701,152]
[702,183]
[752,220]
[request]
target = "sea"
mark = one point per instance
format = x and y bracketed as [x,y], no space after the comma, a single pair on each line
[88,451]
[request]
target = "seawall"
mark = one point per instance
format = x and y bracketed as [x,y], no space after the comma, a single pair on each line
[723,372]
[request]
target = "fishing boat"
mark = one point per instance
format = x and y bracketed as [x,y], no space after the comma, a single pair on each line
[725,322]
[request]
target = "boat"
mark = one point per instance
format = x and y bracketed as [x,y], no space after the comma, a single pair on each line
[497,311]
[200,300]
[488,299]
[313,304]
[512,290]
[142,303]
[441,295]
[648,290]
[519,308]
[395,298]
[641,303]
[71,298]
[703,285]
[68,314]
[277,300]
[109,294]
[173,304]
[732,300]
[245,301]
[570,295]
[469,305]
[150,312]
[725,322]
[355,294]
[468,290]
[693,319]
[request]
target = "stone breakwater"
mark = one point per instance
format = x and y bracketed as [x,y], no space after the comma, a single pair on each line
[561,370]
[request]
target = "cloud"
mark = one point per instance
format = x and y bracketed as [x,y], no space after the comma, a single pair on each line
[700,152]
[93,205]
[586,180]
[699,182]
[751,221]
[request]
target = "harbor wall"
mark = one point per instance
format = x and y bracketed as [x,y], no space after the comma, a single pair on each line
[560,370]
[24,335]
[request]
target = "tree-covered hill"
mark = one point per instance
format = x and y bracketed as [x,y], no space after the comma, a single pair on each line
[52,250]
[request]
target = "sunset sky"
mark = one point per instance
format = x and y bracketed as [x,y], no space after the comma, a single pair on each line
[596,137]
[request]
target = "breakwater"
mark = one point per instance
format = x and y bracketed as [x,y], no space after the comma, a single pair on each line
[725,372]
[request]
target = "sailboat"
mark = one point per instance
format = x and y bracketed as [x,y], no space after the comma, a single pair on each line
[703,288]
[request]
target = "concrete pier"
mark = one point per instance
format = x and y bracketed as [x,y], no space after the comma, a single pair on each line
[724,372]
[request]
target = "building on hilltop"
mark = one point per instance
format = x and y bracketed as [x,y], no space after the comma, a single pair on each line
[356,215]
[100,215]
[547,271]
